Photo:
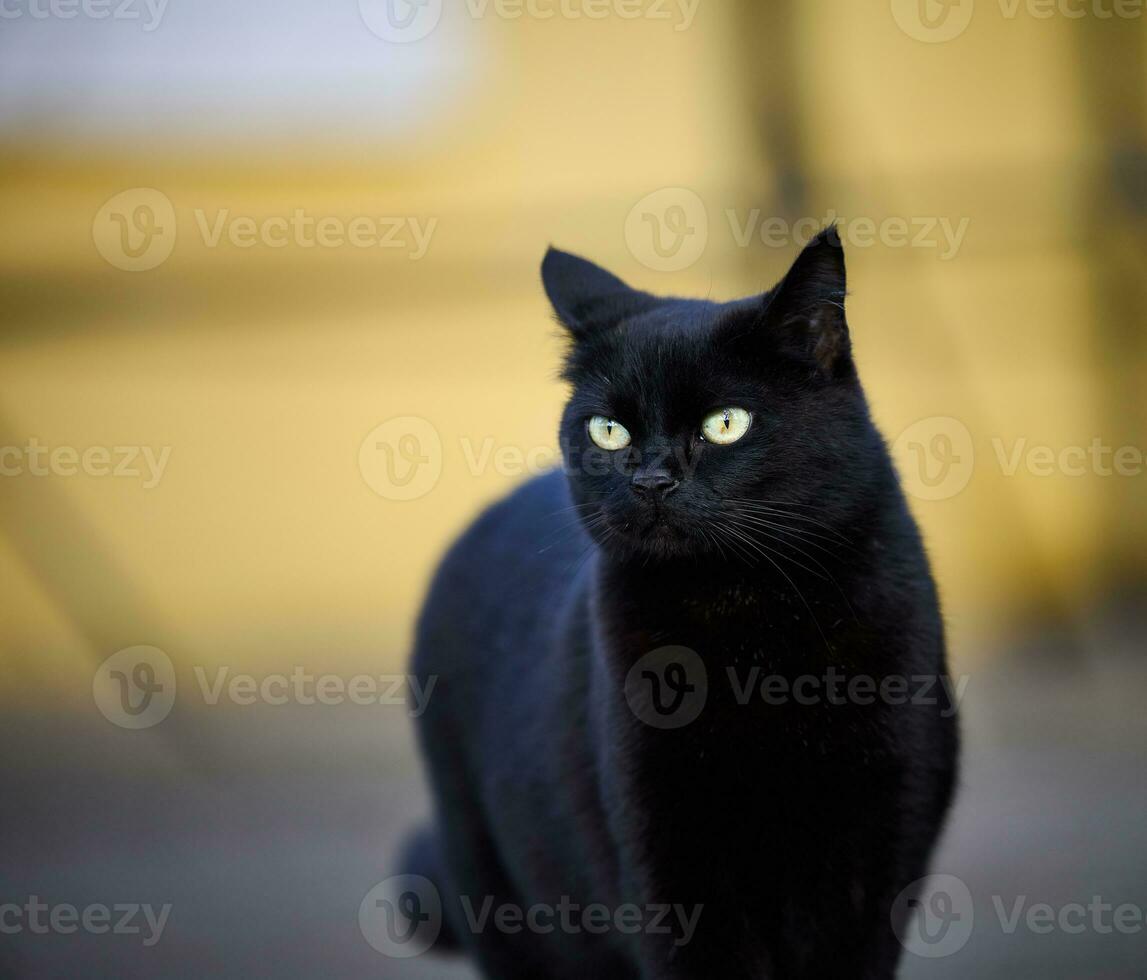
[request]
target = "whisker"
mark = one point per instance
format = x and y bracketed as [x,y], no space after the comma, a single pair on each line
[801,534]
[748,537]
[826,573]
[755,507]
[800,595]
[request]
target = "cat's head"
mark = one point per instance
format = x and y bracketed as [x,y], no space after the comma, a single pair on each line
[692,425]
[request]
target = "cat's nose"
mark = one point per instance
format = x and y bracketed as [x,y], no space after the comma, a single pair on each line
[653,484]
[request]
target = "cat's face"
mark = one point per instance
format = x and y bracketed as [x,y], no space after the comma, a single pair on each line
[696,427]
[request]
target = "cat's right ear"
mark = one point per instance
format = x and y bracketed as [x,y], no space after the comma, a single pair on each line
[585,297]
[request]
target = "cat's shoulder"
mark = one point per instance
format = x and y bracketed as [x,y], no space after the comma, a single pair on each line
[516,518]
[536,500]
[514,545]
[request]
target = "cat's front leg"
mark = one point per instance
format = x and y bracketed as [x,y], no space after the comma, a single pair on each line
[703,964]
[703,942]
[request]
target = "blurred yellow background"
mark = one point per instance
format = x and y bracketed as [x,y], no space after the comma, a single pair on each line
[264,368]
[241,238]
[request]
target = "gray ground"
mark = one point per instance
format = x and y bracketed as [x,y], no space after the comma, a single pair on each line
[264,827]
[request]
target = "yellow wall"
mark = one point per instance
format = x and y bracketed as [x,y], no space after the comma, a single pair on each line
[264,369]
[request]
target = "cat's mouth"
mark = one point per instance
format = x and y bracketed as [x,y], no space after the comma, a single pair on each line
[657,531]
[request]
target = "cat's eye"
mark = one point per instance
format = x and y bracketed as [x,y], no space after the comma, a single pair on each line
[608,433]
[726,425]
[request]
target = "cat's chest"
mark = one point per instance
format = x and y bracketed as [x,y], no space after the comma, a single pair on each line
[747,677]
[739,627]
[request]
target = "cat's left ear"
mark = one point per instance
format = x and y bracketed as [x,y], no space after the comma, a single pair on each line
[585,297]
[805,312]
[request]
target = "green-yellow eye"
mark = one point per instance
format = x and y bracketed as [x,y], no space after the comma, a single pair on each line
[608,433]
[726,425]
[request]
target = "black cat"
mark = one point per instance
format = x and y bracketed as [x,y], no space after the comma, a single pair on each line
[692,717]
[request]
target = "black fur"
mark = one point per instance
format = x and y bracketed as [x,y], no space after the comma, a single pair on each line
[793,824]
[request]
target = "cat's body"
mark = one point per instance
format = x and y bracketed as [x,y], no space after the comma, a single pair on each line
[735,811]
